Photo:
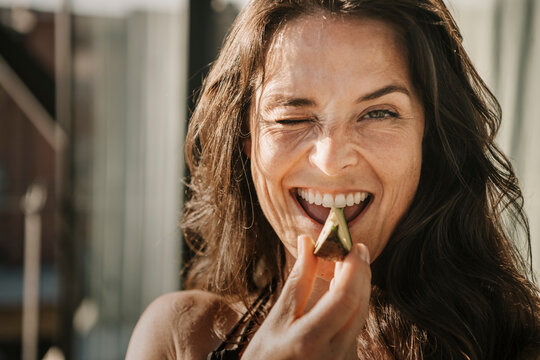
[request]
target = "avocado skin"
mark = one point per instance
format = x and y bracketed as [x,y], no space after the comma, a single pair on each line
[332,249]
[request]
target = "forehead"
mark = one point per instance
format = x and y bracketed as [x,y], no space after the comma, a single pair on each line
[315,47]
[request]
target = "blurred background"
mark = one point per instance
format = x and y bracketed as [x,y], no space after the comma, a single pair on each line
[94,101]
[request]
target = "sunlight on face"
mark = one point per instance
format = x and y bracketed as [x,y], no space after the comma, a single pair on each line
[336,122]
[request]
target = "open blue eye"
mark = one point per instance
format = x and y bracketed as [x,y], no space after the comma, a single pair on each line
[380,114]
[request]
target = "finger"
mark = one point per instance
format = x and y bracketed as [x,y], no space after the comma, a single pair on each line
[352,286]
[358,258]
[337,269]
[332,284]
[299,285]
[347,335]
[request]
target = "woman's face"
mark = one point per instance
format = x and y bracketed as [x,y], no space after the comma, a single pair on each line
[336,122]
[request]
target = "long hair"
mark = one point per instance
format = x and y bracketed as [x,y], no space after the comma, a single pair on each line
[452,282]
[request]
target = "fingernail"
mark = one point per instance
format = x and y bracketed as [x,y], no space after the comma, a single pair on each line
[364,252]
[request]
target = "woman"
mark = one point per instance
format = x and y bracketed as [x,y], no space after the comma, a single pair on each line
[372,106]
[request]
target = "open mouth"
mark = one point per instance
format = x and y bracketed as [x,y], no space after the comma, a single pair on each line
[317,205]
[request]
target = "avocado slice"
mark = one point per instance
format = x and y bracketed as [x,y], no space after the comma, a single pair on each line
[334,242]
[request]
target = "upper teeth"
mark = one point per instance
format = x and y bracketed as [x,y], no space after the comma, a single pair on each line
[329,200]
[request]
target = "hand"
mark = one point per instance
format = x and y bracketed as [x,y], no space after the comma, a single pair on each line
[327,331]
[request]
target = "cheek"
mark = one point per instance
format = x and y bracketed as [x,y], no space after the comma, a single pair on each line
[402,172]
[268,168]
[396,153]
[396,157]
[276,154]
[274,167]
[265,156]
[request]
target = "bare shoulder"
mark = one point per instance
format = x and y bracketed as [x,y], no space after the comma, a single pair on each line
[181,325]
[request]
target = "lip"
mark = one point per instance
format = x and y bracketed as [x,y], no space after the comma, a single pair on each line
[293,194]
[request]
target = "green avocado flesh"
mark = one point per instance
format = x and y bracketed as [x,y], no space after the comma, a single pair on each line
[334,242]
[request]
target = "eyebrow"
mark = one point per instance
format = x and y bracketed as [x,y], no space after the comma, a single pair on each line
[279,101]
[282,101]
[384,91]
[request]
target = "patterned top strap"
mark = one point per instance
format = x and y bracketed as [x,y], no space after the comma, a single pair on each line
[248,319]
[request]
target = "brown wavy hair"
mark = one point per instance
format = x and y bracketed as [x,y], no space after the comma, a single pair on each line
[453,282]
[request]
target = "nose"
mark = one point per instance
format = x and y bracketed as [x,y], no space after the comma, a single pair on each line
[333,154]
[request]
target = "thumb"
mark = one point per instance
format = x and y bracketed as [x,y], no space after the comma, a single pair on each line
[299,284]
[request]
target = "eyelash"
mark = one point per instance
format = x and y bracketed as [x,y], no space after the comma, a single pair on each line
[292,121]
[386,114]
